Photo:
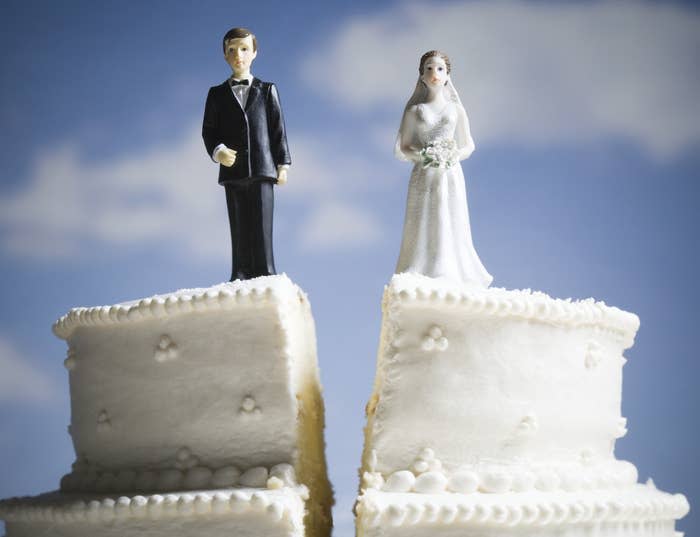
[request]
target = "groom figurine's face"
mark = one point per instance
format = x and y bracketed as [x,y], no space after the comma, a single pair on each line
[240,53]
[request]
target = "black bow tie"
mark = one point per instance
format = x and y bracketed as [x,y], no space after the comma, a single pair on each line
[243,82]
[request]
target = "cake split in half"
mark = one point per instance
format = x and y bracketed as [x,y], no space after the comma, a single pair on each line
[194,412]
[495,413]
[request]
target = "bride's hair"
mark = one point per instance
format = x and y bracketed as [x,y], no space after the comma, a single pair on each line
[420,93]
[431,54]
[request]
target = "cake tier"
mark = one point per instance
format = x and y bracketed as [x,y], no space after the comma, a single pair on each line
[635,511]
[200,388]
[513,387]
[245,512]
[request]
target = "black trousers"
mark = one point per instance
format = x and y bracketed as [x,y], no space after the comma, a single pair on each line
[250,208]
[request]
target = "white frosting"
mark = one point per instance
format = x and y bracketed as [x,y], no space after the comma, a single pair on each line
[196,389]
[241,512]
[497,409]
[195,477]
[494,376]
[637,510]
[204,378]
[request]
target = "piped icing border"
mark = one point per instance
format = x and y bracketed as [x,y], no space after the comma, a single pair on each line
[224,296]
[639,503]
[54,509]
[413,289]
[195,478]
[426,476]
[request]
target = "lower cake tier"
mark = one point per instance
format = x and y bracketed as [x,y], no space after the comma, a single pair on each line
[244,512]
[639,511]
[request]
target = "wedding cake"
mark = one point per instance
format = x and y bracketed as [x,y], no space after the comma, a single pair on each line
[495,413]
[193,413]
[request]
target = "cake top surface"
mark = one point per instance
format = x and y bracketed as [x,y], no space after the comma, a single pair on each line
[411,289]
[278,289]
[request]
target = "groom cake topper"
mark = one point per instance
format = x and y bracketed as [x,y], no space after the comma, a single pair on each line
[243,131]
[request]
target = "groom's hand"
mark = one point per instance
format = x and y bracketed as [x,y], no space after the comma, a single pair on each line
[226,157]
[281,176]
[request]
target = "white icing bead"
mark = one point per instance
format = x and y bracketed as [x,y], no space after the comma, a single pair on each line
[402,481]
[169,479]
[146,480]
[123,507]
[570,480]
[93,514]
[220,503]
[428,344]
[442,344]
[372,480]
[202,504]
[139,506]
[259,500]
[395,515]
[248,404]
[107,510]
[413,514]
[430,512]
[285,472]
[435,332]
[274,483]
[464,482]
[430,483]
[225,477]
[185,504]
[448,514]
[125,480]
[254,477]
[523,481]
[547,480]
[165,342]
[239,501]
[420,466]
[427,454]
[465,512]
[496,481]
[197,477]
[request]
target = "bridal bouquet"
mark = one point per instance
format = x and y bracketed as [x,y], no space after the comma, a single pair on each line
[439,154]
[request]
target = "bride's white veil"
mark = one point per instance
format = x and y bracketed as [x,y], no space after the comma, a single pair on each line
[419,96]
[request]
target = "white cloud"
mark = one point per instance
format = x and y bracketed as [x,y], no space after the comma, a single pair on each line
[339,225]
[168,194]
[534,72]
[163,194]
[21,381]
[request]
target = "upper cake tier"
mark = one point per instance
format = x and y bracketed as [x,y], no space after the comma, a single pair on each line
[513,386]
[199,388]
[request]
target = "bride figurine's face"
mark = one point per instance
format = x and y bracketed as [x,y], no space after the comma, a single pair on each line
[434,72]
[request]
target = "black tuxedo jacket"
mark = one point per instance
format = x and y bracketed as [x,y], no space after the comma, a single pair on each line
[256,133]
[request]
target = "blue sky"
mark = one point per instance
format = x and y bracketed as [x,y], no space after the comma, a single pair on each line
[584,183]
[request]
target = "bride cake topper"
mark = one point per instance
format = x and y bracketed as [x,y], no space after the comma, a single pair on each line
[434,134]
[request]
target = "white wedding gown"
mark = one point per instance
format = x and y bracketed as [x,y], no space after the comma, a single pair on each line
[437,238]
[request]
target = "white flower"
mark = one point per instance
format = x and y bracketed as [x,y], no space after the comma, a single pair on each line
[439,154]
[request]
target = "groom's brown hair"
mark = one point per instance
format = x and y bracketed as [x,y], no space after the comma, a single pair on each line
[238,33]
